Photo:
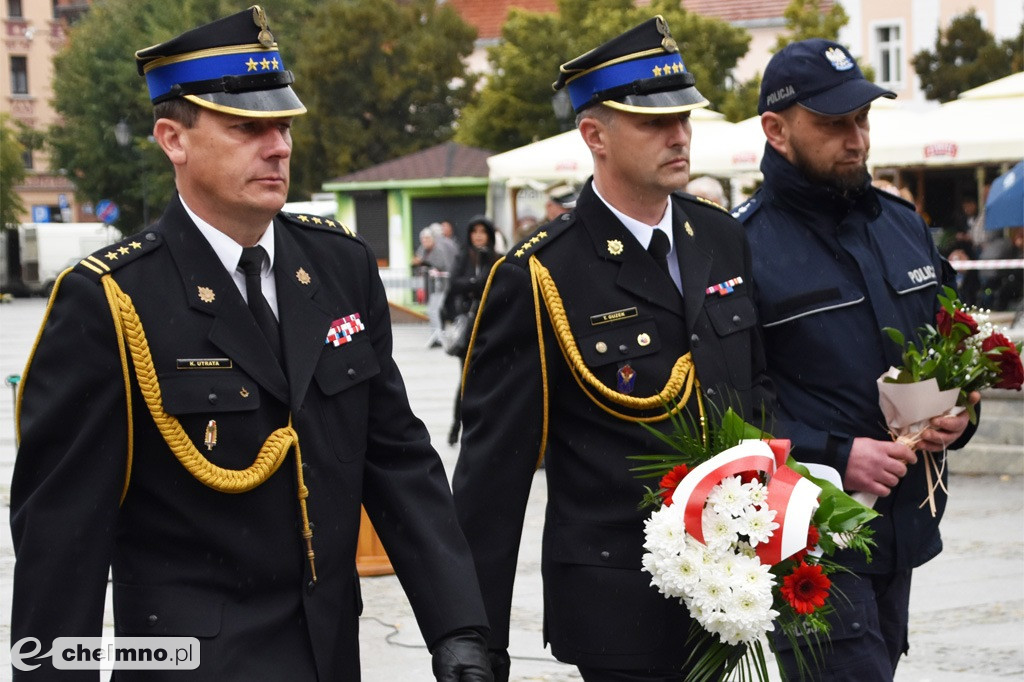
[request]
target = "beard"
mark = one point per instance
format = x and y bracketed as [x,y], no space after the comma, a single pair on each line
[849,182]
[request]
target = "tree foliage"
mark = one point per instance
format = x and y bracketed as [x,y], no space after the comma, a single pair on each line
[966,56]
[805,19]
[12,173]
[380,79]
[515,106]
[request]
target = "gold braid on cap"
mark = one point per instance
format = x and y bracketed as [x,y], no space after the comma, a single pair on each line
[270,457]
[677,389]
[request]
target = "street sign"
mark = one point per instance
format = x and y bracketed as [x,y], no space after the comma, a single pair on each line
[40,214]
[107,211]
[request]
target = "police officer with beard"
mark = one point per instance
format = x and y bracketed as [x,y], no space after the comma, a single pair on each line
[835,261]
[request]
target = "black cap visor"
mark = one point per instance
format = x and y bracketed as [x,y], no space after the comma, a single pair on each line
[273,103]
[845,97]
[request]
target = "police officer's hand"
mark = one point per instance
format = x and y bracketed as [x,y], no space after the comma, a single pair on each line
[461,657]
[876,466]
[944,431]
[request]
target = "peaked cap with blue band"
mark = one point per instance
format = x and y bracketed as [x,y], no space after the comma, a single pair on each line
[639,71]
[231,65]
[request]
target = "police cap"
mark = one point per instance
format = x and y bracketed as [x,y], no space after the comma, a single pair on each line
[231,65]
[639,71]
[819,75]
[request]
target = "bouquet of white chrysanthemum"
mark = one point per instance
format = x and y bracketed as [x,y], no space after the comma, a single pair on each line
[741,537]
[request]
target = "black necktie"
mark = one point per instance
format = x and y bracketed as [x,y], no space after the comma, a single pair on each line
[659,248]
[251,264]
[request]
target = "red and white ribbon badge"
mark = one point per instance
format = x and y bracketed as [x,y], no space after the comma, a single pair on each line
[793,497]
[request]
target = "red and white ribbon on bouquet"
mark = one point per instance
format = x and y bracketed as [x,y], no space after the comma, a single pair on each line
[793,497]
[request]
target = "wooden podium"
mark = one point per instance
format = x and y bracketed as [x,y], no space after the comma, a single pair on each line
[371,559]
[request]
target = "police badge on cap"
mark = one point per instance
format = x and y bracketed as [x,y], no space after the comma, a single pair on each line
[639,71]
[231,65]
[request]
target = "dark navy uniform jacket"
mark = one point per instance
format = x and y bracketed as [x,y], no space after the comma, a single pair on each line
[830,274]
[187,560]
[622,310]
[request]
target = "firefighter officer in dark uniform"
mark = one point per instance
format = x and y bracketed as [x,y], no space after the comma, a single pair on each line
[212,399]
[638,297]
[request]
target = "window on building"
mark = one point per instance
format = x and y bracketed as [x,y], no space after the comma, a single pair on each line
[19,75]
[889,55]
[14,9]
[26,159]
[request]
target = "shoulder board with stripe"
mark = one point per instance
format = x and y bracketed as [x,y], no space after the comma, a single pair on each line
[118,254]
[744,211]
[701,200]
[316,222]
[545,234]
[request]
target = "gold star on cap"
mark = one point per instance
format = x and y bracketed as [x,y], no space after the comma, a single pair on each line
[615,247]
[302,276]
[206,294]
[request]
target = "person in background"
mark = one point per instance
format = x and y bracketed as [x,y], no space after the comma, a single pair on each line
[587,328]
[560,199]
[835,260]
[707,187]
[162,408]
[466,286]
[431,264]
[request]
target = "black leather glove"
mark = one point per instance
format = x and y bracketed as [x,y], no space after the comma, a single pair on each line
[462,657]
[500,664]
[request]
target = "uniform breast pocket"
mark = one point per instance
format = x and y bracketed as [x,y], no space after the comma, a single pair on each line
[618,342]
[343,375]
[208,391]
[732,318]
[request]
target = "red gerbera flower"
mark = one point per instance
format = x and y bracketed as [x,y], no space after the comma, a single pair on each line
[1011,373]
[945,321]
[670,481]
[813,537]
[805,588]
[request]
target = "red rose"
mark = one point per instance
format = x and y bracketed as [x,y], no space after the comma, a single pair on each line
[806,588]
[1011,373]
[670,481]
[945,322]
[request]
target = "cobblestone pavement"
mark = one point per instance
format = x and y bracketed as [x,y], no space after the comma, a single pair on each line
[967,608]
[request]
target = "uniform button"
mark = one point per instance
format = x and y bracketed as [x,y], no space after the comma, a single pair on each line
[605,555]
[601,347]
[710,392]
[305,467]
[855,626]
[735,319]
[623,349]
[212,398]
[351,373]
[310,586]
[152,619]
[150,237]
[694,340]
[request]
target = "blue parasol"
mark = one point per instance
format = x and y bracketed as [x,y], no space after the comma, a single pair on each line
[1005,204]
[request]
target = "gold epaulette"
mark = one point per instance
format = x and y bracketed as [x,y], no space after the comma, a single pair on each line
[317,222]
[118,254]
[521,252]
[702,200]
